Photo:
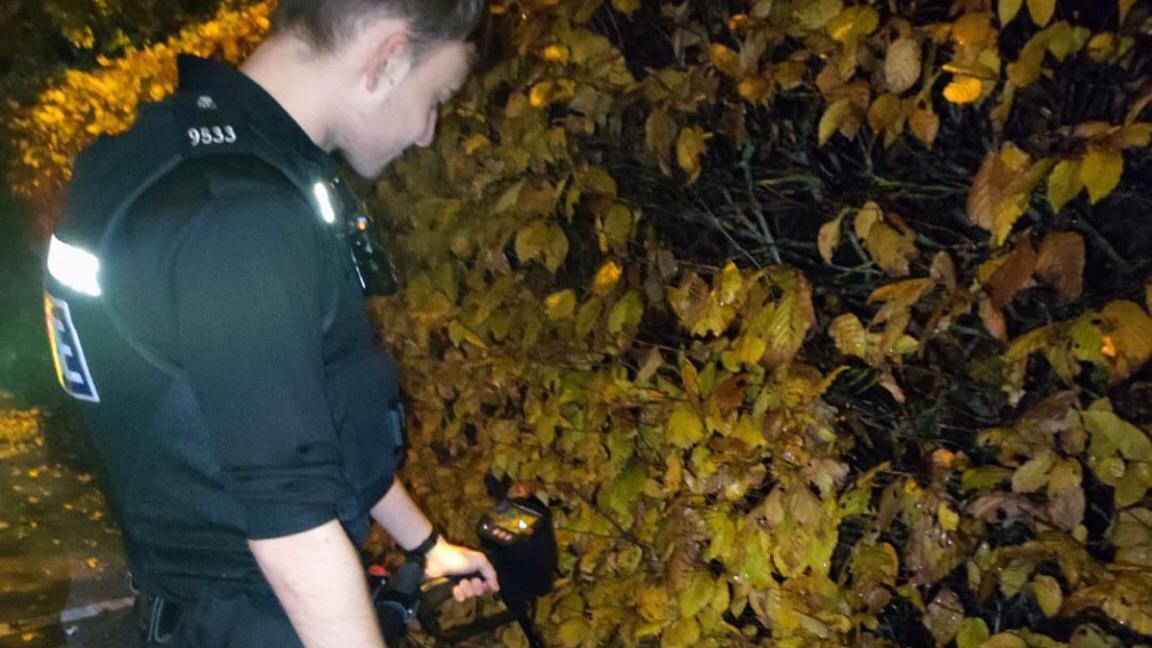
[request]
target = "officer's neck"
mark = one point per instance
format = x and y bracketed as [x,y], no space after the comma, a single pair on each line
[287,70]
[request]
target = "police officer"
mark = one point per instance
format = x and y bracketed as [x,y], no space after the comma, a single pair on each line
[206,308]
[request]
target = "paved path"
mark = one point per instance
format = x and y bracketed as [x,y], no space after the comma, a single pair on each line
[61,566]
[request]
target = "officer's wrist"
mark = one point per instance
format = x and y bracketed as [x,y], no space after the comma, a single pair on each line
[424,546]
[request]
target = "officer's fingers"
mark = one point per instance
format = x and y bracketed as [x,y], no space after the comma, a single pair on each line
[489,573]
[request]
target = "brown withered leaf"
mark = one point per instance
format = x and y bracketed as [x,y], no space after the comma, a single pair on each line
[925,125]
[1060,264]
[945,613]
[730,394]
[1002,189]
[888,382]
[993,319]
[829,238]
[1013,274]
[943,270]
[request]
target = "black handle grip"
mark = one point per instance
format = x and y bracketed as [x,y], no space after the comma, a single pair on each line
[438,590]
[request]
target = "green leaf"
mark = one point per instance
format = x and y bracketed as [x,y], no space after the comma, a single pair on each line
[697,594]
[973,633]
[1131,441]
[626,313]
[1032,476]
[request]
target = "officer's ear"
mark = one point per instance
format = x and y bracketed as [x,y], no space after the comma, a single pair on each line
[389,60]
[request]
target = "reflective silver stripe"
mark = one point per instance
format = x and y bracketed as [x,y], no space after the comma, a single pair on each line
[324,200]
[74,267]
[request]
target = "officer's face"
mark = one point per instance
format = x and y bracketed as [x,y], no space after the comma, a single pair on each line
[403,111]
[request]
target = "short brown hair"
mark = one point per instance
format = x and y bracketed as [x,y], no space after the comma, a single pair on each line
[327,23]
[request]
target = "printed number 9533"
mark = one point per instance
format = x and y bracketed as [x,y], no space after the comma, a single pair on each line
[208,135]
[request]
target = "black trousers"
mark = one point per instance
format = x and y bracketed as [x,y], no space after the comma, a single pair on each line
[234,621]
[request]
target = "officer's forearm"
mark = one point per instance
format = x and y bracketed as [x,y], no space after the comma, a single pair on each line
[318,578]
[401,518]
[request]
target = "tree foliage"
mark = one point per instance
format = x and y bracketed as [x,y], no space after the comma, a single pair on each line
[817,323]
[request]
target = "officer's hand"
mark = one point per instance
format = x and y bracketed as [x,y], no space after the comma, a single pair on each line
[447,559]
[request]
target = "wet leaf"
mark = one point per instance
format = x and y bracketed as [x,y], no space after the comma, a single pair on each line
[685,428]
[829,238]
[1041,11]
[1048,594]
[1131,441]
[1064,183]
[964,90]
[1101,171]
[690,147]
[1008,9]
[1060,263]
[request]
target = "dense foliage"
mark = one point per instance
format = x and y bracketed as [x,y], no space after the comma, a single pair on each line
[817,323]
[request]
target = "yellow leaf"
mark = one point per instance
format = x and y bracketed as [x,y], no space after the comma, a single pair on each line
[829,238]
[1101,171]
[973,29]
[902,65]
[1009,9]
[849,334]
[886,112]
[1064,183]
[1048,594]
[725,60]
[1041,11]
[546,93]
[964,90]
[531,240]
[1125,7]
[606,277]
[617,225]
[869,215]
[555,248]
[690,146]
[1101,47]
[573,632]
[626,6]
[833,118]
[853,23]
[814,14]
[685,428]
[948,518]
[890,249]
[561,305]
[555,54]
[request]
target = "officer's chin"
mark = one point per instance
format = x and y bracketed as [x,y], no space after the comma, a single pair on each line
[370,169]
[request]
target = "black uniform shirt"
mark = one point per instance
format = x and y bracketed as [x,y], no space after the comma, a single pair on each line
[253,402]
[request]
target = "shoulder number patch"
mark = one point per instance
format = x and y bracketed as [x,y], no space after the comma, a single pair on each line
[209,135]
[71,367]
